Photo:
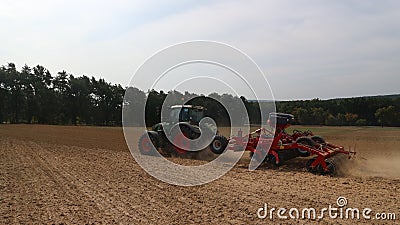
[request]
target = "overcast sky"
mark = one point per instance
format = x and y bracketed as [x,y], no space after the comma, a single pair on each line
[307,49]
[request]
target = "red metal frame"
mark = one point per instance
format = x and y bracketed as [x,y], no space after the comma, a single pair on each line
[282,141]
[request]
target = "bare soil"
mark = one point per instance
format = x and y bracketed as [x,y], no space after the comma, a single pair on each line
[86,175]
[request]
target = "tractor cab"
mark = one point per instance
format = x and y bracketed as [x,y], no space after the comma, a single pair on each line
[186,113]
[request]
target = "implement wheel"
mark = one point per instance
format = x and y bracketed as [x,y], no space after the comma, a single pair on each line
[329,165]
[257,156]
[305,141]
[318,139]
[309,168]
[272,160]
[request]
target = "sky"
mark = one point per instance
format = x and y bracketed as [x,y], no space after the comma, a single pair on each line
[306,49]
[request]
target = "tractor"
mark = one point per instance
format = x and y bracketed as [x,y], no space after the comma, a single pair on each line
[185,118]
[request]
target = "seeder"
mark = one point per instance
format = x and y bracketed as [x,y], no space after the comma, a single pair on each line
[280,146]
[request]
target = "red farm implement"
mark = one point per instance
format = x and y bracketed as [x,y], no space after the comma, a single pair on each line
[279,146]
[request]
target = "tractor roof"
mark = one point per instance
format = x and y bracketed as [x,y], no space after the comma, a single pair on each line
[187,106]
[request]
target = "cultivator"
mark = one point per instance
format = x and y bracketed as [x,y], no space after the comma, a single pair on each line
[280,146]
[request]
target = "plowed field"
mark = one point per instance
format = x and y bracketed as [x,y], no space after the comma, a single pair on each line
[85,175]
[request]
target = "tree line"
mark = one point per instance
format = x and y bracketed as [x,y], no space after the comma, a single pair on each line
[33,95]
[358,111]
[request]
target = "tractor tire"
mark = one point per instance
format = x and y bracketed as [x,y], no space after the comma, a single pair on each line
[318,139]
[190,132]
[148,143]
[179,139]
[305,141]
[218,145]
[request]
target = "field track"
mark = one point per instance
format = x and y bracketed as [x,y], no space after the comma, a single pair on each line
[56,174]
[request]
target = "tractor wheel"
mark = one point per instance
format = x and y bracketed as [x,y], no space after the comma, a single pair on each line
[219,144]
[308,166]
[179,139]
[305,141]
[318,139]
[148,144]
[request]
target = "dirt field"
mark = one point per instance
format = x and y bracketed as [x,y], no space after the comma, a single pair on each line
[54,174]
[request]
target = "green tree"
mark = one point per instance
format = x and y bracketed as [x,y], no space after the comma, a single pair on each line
[351,118]
[61,89]
[387,116]
[318,115]
[361,122]
[134,102]
[15,82]
[43,95]
[302,116]
[79,100]
[4,95]
[331,120]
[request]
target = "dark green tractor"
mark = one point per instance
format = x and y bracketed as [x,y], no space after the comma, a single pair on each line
[185,118]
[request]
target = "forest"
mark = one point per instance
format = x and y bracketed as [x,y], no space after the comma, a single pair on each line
[33,95]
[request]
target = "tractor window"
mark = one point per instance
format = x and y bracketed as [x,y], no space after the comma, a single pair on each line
[197,115]
[184,115]
[175,115]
